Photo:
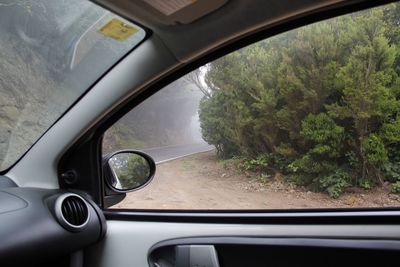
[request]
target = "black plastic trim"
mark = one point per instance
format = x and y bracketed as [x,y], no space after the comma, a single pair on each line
[75,211]
[85,166]
[309,217]
[376,244]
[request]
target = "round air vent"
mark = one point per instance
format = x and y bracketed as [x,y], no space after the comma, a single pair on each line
[72,212]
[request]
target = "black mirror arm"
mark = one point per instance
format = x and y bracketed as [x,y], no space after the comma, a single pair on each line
[111,197]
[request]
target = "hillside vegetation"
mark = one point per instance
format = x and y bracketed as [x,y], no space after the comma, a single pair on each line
[319,104]
[164,119]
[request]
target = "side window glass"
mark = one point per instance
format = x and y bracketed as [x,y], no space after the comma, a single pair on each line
[307,119]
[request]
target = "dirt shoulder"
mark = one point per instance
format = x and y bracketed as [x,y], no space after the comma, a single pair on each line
[202,182]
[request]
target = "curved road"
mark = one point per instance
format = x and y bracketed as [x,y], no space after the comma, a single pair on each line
[164,154]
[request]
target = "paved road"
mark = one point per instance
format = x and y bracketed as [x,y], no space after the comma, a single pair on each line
[162,154]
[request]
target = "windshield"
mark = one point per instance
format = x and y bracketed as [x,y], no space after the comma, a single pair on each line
[51,52]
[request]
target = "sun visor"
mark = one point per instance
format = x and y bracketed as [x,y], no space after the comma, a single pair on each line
[180,11]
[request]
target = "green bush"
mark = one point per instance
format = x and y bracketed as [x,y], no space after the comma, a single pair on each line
[302,180]
[366,184]
[305,104]
[375,150]
[261,163]
[396,188]
[266,163]
[336,183]
[391,169]
[392,172]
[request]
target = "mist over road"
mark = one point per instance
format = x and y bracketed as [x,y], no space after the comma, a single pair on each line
[162,154]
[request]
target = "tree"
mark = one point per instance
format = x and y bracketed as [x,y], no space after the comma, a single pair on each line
[366,99]
[323,99]
[198,78]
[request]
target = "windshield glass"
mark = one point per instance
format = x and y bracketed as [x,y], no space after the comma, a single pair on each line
[51,52]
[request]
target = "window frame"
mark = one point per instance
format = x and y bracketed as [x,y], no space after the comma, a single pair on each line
[92,146]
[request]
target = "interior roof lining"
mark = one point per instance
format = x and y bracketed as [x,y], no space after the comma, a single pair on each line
[222,26]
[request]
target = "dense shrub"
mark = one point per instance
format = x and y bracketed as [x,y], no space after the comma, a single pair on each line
[396,188]
[335,183]
[320,103]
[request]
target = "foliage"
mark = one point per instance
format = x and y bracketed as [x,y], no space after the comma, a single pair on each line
[391,169]
[396,188]
[335,183]
[320,103]
[119,137]
[366,184]
[375,150]
[214,129]
[258,164]
[158,121]
[132,171]
[264,178]
[324,133]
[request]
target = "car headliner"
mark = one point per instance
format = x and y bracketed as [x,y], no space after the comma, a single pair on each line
[235,19]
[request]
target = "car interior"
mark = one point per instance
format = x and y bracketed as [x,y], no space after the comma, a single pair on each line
[54,201]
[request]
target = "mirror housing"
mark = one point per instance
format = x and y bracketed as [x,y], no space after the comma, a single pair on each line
[128,170]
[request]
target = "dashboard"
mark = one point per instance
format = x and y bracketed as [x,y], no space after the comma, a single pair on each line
[41,225]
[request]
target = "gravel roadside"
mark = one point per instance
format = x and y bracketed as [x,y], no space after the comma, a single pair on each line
[201,182]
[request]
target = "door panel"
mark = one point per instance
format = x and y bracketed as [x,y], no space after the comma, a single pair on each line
[127,244]
[254,251]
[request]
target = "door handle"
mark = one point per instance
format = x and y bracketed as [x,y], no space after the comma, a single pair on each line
[196,256]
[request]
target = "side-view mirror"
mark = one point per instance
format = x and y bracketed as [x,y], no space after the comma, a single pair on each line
[128,170]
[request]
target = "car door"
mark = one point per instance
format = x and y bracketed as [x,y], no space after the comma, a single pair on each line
[161,232]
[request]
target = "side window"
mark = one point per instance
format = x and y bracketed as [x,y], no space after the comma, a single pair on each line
[306,119]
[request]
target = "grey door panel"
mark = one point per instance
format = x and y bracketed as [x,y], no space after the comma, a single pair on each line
[128,243]
[270,251]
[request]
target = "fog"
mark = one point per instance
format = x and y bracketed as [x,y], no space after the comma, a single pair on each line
[194,129]
[168,118]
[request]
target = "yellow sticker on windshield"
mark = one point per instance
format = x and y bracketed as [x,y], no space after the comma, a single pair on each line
[118,30]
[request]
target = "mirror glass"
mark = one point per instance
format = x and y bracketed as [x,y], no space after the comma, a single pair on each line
[129,170]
